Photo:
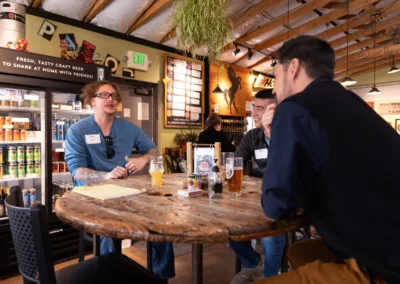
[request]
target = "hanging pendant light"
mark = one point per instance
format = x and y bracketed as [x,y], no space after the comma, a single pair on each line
[217,89]
[393,69]
[348,81]
[374,91]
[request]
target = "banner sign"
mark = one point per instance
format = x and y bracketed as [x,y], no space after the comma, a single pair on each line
[265,82]
[47,67]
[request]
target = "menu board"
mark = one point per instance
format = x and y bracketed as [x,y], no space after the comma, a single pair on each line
[184,92]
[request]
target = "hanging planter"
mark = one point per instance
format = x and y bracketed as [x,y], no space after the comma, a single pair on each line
[202,24]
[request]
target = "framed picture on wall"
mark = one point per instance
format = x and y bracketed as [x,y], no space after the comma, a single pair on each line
[397,126]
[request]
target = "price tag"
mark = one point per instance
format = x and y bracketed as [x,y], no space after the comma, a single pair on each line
[60,122]
[19,119]
[55,106]
[8,126]
[31,97]
[58,150]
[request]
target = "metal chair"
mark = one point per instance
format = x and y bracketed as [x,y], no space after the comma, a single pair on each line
[32,246]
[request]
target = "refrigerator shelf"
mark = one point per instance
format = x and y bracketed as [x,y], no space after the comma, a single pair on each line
[10,178]
[76,112]
[58,141]
[62,174]
[29,109]
[19,142]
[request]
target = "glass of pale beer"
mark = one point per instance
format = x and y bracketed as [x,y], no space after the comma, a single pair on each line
[234,175]
[156,170]
[225,155]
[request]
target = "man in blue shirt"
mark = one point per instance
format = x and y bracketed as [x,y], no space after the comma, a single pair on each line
[255,146]
[98,148]
[334,156]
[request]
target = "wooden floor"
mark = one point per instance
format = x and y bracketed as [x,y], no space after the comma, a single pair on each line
[218,265]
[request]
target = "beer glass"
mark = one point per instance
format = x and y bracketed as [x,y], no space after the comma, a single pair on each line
[225,155]
[156,170]
[234,175]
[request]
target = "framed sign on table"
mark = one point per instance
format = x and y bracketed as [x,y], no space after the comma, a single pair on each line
[183,92]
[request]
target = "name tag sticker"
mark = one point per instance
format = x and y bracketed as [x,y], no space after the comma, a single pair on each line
[261,154]
[92,139]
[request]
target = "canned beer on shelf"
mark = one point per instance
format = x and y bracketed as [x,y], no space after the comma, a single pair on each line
[21,169]
[2,134]
[30,168]
[21,154]
[23,134]
[8,134]
[25,197]
[16,135]
[2,121]
[36,153]
[8,120]
[13,168]
[29,154]
[6,169]
[1,155]
[12,154]
[37,168]
[1,171]
[55,167]
[61,167]
[32,195]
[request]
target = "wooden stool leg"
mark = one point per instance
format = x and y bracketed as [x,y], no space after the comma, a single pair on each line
[81,246]
[150,256]
[238,265]
[96,245]
[197,263]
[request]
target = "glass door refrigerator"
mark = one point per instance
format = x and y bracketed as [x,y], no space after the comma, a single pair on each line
[39,100]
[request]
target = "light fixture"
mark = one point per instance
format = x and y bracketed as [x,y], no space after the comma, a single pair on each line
[217,89]
[374,90]
[393,69]
[249,54]
[236,51]
[348,81]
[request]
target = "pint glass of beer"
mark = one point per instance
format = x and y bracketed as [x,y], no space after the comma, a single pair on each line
[234,175]
[156,170]
[225,155]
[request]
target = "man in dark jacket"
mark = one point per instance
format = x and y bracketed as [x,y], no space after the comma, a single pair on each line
[331,153]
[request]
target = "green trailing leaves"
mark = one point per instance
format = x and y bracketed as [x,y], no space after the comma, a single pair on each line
[202,24]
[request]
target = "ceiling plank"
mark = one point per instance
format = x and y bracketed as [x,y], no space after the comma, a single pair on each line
[168,36]
[149,13]
[240,58]
[335,5]
[97,7]
[265,59]
[282,20]
[367,31]
[371,69]
[252,11]
[36,3]
[353,24]
[332,16]
[362,67]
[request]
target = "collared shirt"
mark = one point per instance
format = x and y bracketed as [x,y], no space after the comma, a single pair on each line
[84,151]
[254,146]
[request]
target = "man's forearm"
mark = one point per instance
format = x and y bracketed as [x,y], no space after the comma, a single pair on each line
[88,175]
[152,153]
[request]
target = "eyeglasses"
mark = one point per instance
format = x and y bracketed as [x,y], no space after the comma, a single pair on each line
[110,151]
[106,95]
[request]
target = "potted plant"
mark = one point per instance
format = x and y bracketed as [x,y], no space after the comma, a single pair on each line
[182,137]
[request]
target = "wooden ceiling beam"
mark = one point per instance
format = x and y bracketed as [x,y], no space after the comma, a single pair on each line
[332,16]
[153,10]
[265,59]
[36,3]
[335,5]
[366,70]
[367,31]
[370,64]
[97,7]
[283,20]
[252,11]
[168,36]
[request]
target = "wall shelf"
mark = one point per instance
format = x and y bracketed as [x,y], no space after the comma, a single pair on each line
[29,109]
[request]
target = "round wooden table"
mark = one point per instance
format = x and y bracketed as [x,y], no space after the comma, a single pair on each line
[161,216]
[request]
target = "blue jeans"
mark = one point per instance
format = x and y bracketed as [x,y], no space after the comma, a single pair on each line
[273,248]
[162,256]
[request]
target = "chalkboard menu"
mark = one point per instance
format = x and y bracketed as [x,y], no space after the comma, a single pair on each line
[184,92]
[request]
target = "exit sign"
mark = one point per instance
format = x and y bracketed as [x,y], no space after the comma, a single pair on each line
[137,60]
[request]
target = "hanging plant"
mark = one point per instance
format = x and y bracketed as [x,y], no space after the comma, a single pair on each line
[202,24]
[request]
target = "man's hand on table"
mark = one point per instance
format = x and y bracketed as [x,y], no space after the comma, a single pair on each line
[118,172]
[134,165]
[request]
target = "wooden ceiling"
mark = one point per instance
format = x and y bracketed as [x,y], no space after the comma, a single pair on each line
[328,19]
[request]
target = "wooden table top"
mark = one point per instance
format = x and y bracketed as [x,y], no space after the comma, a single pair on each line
[152,216]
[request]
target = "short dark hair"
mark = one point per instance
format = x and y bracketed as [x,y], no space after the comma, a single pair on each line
[213,120]
[265,94]
[315,55]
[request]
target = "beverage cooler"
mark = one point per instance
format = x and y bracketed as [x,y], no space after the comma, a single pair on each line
[40,98]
